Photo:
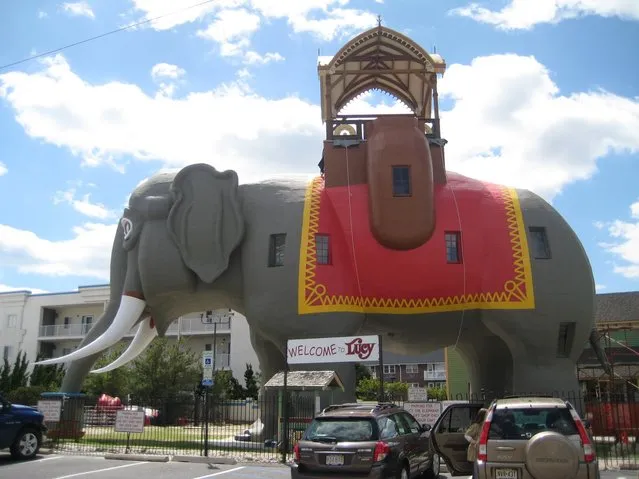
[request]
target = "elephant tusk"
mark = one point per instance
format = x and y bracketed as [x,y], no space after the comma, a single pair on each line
[146,333]
[128,313]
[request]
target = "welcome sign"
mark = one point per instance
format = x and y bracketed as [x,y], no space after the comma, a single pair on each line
[349,349]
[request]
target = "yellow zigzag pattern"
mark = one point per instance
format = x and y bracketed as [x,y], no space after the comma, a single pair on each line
[516,293]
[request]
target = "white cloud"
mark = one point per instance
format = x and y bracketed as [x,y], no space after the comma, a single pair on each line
[508,124]
[252,58]
[3,169]
[600,287]
[625,243]
[599,225]
[167,77]
[86,254]
[5,288]
[84,205]
[166,70]
[232,30]
[525,14]
[42,14]
[326,19]
[79,9]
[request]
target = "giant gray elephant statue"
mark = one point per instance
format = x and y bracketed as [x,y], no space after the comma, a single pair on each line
[196,240]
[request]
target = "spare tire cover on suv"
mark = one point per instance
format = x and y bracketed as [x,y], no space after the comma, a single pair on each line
[550,455]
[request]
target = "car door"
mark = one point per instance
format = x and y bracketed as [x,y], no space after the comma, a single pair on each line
[409,440]
[419,444]
[448,438]
[9,425]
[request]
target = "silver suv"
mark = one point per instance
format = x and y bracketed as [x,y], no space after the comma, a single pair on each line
[521,438]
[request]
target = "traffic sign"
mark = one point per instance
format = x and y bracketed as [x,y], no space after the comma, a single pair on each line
[207,360]
[207,383]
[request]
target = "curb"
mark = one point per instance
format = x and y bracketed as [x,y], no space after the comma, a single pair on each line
[137,457]
[205,460]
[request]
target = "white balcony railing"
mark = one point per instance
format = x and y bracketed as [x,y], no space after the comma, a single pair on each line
[435,375]
[65,330]
[185,326]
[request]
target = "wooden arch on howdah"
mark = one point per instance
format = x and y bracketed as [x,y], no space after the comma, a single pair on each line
[398,157]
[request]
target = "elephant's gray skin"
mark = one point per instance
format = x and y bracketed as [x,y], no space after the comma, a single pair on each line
[198,241]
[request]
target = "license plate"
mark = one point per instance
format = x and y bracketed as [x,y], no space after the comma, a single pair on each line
[505,473]
[334,460]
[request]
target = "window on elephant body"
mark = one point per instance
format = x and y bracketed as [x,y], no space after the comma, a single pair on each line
[323,249]
[539,246]
[453,246]
[277,245]
[401,181]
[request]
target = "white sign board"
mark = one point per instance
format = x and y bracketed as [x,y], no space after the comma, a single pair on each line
[51,410]
[424,412]
[417,394]
[129,421]
[207,364]
[349,349]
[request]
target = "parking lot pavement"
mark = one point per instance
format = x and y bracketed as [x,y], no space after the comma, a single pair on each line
[72,467]
[68,467]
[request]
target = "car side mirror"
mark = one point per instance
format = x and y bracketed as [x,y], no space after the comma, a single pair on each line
[426,427]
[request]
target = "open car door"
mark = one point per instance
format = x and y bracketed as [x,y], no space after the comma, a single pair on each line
[447,436]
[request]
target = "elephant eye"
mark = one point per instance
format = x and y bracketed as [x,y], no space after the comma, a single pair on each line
[127,227]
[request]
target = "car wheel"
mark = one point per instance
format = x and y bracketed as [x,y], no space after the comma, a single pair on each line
[26,445]
[433,471]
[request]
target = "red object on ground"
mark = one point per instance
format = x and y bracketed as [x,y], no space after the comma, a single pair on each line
[495,271]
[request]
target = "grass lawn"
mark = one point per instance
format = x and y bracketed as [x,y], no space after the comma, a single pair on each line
[169,437]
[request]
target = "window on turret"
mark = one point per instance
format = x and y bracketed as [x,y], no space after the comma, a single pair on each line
[323,249]
[539,246]
[401,181]
[453,246]
[277,244]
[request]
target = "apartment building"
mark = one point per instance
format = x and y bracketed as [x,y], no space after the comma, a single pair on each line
[54,324]
[427,370]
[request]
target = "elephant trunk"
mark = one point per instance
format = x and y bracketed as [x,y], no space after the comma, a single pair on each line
[128,314]
[145,334]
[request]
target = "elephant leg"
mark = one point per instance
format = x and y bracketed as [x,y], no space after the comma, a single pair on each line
[271,362]
[489,363]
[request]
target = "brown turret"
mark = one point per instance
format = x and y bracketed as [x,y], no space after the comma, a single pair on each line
[400,157]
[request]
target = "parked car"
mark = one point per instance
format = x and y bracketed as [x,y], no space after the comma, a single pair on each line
[22,429]
[521,438]
[364,441]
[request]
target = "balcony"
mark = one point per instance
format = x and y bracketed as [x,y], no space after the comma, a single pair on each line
[65,331]
[435,375]
[196,326]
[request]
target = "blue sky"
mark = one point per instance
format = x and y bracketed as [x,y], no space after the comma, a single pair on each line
[544,98]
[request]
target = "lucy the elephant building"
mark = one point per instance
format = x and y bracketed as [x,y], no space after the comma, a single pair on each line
[383,241]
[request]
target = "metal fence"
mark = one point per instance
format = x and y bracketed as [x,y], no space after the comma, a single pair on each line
[206,426]
[197,425]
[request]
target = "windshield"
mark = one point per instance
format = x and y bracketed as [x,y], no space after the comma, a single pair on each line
[526,422]
[340,430]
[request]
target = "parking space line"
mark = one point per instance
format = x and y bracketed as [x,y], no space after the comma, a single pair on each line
[34,461]
[101,470]
[214,474]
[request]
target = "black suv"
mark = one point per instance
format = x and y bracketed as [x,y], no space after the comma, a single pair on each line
[22,429]
[367,441]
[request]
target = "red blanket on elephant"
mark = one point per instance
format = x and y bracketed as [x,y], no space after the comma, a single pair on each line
[494,272]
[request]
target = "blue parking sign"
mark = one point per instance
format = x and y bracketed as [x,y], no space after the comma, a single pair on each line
[207,361]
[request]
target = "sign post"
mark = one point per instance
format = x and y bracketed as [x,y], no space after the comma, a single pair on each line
[129,421]
[207,368]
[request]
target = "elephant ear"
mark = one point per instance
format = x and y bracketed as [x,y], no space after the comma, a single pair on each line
[206,220]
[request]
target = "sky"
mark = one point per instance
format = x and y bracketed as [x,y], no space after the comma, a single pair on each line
[541,95]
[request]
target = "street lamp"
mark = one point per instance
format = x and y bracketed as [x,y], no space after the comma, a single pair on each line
[215,317]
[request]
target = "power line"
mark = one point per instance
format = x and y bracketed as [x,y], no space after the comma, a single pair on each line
[118,30]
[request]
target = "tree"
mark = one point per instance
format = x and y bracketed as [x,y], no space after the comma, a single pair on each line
[361,372]
[14,377]
[368,390]
[250,381]
[114,383]
[164,371]
[48,377]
